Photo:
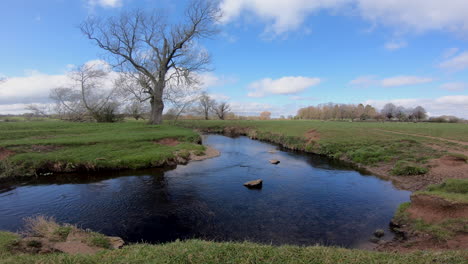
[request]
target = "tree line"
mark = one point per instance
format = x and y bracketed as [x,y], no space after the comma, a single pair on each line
[331,111]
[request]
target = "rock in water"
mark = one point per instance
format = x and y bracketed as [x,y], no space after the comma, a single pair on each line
[379,233]
[257,184]
[274,161]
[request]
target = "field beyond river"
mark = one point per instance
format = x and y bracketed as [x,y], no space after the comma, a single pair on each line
[428,159]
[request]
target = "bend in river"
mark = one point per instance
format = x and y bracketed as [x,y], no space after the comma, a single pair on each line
[305,199]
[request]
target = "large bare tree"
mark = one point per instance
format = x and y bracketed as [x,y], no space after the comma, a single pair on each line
[205,105]
[222,109]
[155,51]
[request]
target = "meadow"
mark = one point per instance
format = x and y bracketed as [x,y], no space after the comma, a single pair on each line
[39,147]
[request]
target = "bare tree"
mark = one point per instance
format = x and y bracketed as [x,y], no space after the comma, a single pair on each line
[221,109]
[205,105]
[38,110]
[389,110]
[155,51]
[419,113]
[137,109]
[265,115]
[89,94]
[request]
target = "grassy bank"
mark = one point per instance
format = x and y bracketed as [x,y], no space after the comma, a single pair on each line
[455,190]
[31,148]
[196,251]
[405,147]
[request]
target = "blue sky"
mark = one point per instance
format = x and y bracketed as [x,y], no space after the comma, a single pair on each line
[271,55]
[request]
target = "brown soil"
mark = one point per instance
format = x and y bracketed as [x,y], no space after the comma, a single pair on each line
[168,142]
[312,136]
[5,153]
[433,209]
[417,242]
[74,244]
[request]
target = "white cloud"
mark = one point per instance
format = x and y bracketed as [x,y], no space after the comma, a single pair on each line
[285,85]
[449,52]
[395,45]
[447,105]
[403,15]
[454,86]
[403,80]
[456,63]
[364,81]
[105,3]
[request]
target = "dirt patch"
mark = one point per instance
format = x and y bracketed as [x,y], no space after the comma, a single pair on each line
[5,153]
[423,242]
[433,209]
[209,153]
[168,142]
[312,136]
[44,148]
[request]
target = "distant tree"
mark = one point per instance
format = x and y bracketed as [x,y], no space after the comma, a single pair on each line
[400,113]
[265,115]
[221,109]
[37,110]
[155,49]
[369,112]
[206,105]
[137,109]
[419,113]
[388,111]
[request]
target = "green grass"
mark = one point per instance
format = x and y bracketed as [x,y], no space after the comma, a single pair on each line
[67,146]
[196,251]
[366,143]
[98,240]
[452,189]
[404,168]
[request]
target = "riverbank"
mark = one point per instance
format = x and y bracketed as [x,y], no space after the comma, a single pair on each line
[413,156]
[35,149]
[196,251]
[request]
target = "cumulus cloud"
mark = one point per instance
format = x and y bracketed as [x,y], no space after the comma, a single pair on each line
[454,86]
[403,15]
[456,63]
[403,80]
[447,105]
[285,85]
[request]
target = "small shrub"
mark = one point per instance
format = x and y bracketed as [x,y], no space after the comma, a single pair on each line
[404,168]
[451,186]
[40,226]
[62,232]
[98,240]
[34,244]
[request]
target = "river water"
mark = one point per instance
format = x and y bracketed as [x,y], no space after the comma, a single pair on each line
[305,200]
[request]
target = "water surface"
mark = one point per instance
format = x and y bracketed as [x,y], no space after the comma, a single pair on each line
[306,199]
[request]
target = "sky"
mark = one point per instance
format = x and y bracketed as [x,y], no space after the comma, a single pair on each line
[269,55]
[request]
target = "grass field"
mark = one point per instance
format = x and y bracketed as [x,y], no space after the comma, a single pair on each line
[366,143]
[67,146]
[196,251]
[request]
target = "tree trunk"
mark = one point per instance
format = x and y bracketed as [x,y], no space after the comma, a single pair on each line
[157,107]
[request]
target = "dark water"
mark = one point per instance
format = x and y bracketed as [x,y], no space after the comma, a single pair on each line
[305,200]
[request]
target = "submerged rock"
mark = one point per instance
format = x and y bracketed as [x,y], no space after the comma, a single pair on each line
[254,184]
[273,161]
[374,240]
